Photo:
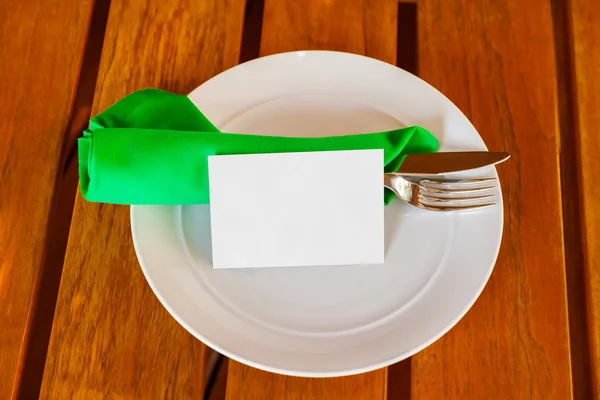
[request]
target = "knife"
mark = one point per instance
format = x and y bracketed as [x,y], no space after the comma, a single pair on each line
[445,163]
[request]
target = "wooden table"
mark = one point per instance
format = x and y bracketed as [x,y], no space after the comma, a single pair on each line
[525,73]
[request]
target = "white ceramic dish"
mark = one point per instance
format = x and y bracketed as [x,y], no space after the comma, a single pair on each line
[324,321]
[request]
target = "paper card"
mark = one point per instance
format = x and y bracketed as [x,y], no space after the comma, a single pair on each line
[297,209]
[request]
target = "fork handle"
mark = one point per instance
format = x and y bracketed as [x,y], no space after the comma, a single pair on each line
[387,181]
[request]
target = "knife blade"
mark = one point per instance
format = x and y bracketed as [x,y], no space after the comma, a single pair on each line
[445,163]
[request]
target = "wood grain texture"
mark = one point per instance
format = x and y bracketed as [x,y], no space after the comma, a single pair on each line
[111,338]
[585,24]
[41,46]
[365,27]
[495,60]
[245,383]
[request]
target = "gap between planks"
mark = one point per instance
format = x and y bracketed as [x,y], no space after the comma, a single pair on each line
[571,207]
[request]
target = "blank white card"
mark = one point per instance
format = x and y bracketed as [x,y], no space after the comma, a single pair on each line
[297,209]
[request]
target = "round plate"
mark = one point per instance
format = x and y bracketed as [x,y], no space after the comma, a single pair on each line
[324,321]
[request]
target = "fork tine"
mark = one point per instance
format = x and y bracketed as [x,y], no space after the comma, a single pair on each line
[451,199]
[456,181]
[455,208]
[415,193]
[456,191]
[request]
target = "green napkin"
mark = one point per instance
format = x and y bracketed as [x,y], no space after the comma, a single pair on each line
[152,147]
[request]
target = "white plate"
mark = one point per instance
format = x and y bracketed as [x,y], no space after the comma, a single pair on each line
[324,321]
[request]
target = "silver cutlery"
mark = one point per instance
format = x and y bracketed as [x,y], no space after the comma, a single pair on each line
[445,163]
[443,194]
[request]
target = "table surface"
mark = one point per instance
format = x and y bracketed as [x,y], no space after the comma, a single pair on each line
[79,321]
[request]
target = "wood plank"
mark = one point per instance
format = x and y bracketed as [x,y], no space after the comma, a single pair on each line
[366,27]
[111,337]
[585,23]
[41,45]
[363,27]
[495,60]
[245,383]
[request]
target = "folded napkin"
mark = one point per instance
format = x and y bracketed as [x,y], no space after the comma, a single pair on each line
[152,147]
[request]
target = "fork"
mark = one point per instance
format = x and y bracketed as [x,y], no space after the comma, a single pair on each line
[444,194]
